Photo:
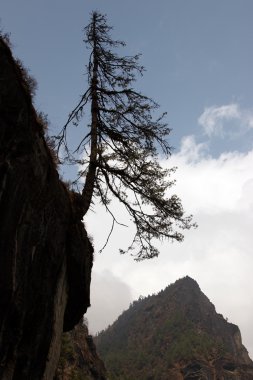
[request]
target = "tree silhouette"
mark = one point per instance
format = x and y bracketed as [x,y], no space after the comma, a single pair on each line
[119,150]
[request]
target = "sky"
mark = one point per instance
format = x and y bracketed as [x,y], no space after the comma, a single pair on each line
[198,57]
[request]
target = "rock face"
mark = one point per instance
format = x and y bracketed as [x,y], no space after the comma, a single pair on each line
[45,255]
[79,359]
[174,335]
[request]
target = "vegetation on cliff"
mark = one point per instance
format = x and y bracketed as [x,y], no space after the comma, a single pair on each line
[78,359]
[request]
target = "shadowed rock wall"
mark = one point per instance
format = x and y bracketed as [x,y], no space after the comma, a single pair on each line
[45,255]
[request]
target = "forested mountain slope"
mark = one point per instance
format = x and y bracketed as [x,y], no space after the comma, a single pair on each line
[175,334]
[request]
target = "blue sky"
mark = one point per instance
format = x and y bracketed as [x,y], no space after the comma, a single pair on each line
[197,54]
[199,59]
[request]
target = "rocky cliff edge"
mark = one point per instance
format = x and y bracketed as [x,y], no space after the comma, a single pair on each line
[45,255]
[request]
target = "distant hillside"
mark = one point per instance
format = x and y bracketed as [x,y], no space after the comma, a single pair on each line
[174,335]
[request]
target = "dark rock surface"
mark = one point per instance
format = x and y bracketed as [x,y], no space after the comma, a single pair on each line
[45,255]
[175,335]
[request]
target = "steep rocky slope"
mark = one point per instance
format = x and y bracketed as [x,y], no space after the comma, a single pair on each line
[79,359]
[45,255]
[174,335]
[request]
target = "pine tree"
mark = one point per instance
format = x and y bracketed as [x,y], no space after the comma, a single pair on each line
[121,145]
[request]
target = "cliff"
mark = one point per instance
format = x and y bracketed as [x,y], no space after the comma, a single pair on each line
[174,335]
[45,255]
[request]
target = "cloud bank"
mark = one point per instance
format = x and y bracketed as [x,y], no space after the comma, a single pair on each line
[109,294]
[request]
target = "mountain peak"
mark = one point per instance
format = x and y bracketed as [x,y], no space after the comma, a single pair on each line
[187,282]
[187,279]
[171,334]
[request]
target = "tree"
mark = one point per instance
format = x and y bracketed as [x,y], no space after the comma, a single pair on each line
[119,151]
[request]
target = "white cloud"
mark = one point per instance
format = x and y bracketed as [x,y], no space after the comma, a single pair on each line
[218,191]
[226,120]
[207,183]
[190,151]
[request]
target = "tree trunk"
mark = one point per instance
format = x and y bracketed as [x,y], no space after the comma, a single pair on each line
[91,173]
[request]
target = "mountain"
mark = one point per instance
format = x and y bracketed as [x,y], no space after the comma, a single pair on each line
[174,335]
